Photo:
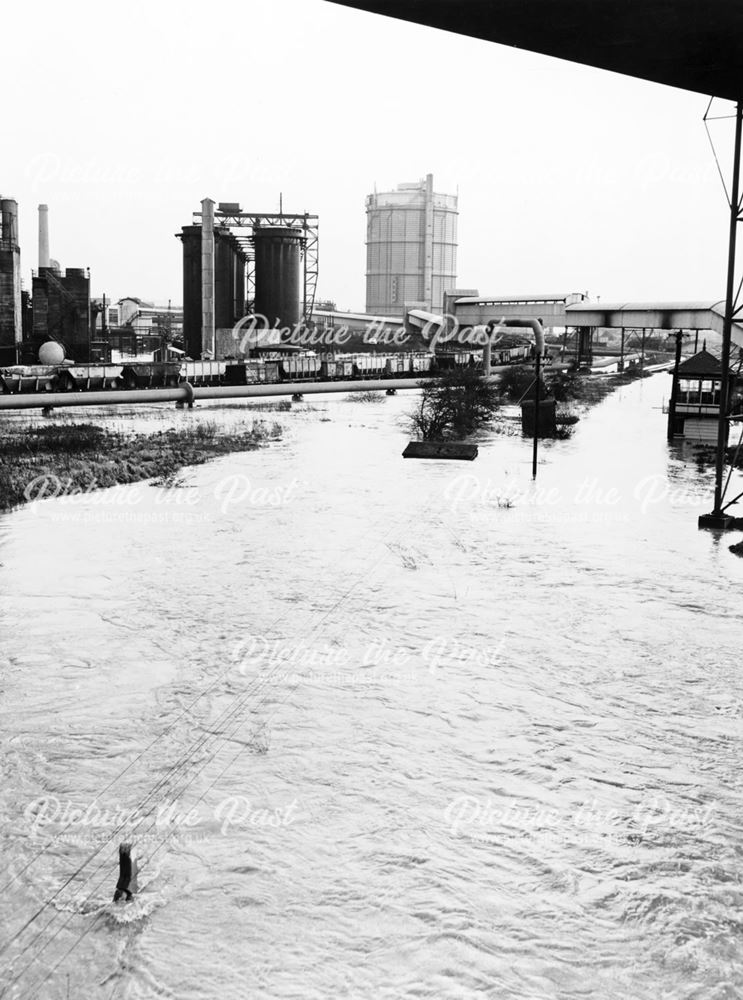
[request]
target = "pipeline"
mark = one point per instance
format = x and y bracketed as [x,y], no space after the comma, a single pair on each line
[186,393]
[533,324]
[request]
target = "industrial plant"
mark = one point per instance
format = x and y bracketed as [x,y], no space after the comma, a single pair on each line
[237,262]
[250,316]
[59,308]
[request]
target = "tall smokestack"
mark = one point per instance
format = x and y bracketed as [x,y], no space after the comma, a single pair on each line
[43,236]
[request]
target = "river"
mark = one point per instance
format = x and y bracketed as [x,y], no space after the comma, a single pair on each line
[378,728]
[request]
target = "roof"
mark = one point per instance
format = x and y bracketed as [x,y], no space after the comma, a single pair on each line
[702,363]
[497,299]
[681,43]
[717,306]
[423,316]
[133,298]
[351,317]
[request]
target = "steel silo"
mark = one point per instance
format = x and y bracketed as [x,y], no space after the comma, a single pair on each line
[278,251]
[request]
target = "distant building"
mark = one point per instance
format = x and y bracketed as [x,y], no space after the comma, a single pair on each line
[411,248]
[111,317]
[148,318]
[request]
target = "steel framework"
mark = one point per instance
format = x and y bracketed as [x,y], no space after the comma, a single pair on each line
[310,250]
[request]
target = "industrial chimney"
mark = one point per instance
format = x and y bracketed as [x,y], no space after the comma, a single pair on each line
[43,236]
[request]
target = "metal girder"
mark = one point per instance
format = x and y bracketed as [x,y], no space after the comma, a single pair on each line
[295,220]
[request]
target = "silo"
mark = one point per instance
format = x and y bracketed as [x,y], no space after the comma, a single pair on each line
[277,259]
[411,248]
[191,237]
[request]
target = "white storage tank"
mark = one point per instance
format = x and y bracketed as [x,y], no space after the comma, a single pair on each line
[411,248]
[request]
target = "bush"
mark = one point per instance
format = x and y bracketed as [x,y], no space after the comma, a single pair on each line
[516,382]
[565,386]
[563,432]
[453,406]
[369,396]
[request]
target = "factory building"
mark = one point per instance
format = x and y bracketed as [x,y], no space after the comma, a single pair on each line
[411,248]
[145,317]
[60,306]
[11,331]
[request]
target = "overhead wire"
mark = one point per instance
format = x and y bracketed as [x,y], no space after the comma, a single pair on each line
[258,686]
[138,757]
[705,119]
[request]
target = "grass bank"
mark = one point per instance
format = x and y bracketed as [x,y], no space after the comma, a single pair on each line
[85,457]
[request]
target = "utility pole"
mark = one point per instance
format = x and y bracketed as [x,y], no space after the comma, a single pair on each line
[718,518]
[535,447]
[674,387]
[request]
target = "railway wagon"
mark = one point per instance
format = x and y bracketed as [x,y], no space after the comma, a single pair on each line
[398,365]
[262,371]
[300,367]
[513,355]
[336,368]
[421,363]
[452,360]
[28,378]
[370,365]
[251,372]
[81,378]
[203,372]
[151,374]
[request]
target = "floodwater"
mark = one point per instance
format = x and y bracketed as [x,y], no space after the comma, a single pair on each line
[378,728]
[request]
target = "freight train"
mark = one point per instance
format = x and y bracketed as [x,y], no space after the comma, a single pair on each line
[271,369]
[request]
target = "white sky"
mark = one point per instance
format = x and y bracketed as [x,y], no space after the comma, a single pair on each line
[125,116]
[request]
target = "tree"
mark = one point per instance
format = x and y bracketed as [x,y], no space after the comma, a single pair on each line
[455,405]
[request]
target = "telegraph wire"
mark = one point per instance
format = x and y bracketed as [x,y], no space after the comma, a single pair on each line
[258,685]
[138,757]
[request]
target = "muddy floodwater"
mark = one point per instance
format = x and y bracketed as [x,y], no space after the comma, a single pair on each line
[377,728]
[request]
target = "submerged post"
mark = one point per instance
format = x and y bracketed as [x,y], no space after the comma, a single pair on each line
[127,884]
[718,518]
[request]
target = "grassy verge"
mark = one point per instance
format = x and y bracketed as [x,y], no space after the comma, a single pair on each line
[85,457]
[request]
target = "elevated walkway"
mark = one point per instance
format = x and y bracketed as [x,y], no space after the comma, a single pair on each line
[654,316]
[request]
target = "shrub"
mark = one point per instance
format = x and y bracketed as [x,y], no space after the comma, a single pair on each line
[369,396]
[453,406]
[565,386]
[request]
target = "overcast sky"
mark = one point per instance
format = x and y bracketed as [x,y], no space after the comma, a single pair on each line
[570,179]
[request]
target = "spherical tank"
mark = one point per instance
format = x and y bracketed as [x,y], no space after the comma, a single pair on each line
[51,353]
[277,259]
